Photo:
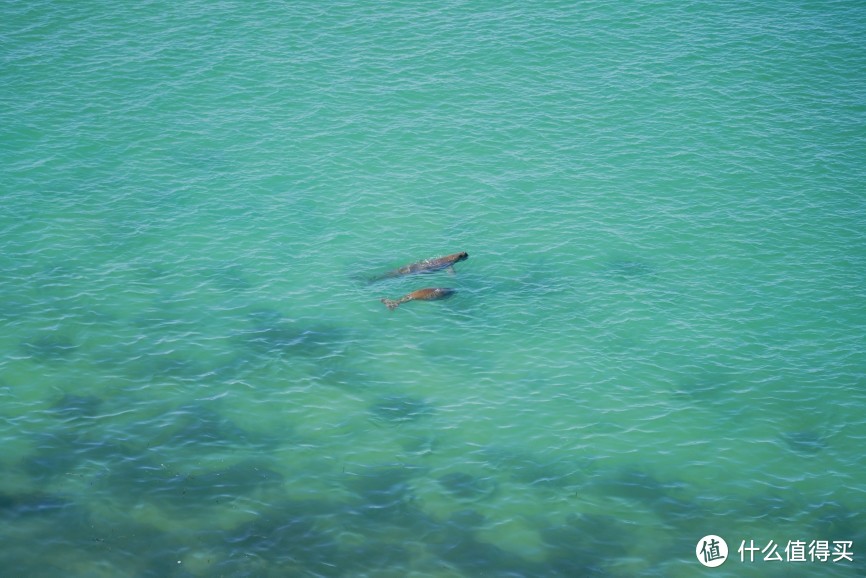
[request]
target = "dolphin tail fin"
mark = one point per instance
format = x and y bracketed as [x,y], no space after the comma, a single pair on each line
[390,303]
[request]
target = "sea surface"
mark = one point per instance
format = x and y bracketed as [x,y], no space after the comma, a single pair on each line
[659,334]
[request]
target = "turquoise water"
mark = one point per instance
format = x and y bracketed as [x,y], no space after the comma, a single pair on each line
[659,333]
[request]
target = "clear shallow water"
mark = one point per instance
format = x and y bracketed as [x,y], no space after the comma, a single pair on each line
[658,334]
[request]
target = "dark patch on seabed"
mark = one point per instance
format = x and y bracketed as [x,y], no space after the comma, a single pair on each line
[805,442]
[585,544]
[669,500]
[138,549]
[122,456]
[198,427]
[31,503]
[707,384]
[72,406]
[292,537]
[146,360]
[461,549]
[774,507]
[272,334]
[194,489]
[59,453]
[399,408]
[169,366]
[50,347]
[835,521]
[628,268]
[468,487]
[13,308]
[286,535]
[308,537]
[228,277]
[535,470]
[195,424]
[636,484]
[341,370]
[74,437]
[383,490]
[48,517]
[419,443]
[216,486]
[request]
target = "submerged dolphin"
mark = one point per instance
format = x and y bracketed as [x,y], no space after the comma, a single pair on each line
[426,266]
[428,294]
